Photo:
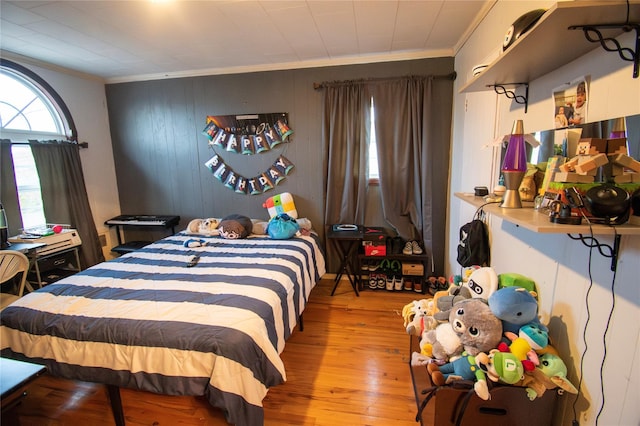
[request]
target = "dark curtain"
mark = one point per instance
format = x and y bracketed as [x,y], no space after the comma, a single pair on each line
[413,133]
[345,130]
[64,195]
[9,189]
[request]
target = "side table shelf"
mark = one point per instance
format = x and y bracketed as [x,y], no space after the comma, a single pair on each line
[420,275]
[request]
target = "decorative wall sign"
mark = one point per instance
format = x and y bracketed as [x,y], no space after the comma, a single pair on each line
[247,134]
[255,185]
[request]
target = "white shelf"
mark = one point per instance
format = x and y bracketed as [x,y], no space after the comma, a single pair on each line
[550,44]
[533,220]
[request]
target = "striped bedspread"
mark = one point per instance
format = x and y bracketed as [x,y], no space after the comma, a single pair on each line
[147,321]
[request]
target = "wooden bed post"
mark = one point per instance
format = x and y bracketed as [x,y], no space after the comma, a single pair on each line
[116,404]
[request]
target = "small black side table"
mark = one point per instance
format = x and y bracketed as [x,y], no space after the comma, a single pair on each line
[14,378]
[346,244]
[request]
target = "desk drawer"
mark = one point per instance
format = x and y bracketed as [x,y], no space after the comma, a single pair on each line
[65,260]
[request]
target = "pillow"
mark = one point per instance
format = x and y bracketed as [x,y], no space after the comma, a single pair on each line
[282,227]
[281,203]
[235,226]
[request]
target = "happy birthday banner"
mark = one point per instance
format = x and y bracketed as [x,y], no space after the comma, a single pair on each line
[247,134]
[255,185]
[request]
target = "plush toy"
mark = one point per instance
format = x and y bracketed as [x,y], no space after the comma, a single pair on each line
[444,301]
[235,226]
[193,242]
[203,226]
[515,307]
[524,345]
[512,279]
[281,203]
[463,368]
[441,344]
[551,373]
[503,367]
[483,282]
[478,328]
[417,317]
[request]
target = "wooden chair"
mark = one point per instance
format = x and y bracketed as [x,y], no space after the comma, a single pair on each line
[11,264]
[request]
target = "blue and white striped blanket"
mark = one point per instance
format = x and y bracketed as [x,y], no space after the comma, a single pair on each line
[147,321]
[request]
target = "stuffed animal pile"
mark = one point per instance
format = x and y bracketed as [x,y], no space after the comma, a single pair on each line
[486,326]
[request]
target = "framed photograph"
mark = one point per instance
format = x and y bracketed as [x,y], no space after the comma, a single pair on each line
[570,103]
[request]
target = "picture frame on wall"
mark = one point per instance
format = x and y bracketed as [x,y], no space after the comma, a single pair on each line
[571,103]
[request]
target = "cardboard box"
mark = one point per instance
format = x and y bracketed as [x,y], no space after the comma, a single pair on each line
[409,268]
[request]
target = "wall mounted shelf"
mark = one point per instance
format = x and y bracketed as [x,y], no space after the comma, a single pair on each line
[529,218]
[550,44]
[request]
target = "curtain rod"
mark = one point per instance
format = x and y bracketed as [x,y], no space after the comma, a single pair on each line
[450,76]
[80,144]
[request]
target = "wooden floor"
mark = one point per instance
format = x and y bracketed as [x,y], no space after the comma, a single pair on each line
[348,367]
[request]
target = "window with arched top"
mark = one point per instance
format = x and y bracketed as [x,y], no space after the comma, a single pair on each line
[30,110]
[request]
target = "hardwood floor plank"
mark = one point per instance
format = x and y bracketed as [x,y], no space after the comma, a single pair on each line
[348,367]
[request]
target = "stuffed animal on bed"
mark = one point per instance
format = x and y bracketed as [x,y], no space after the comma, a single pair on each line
[235,226]
[281,203]
[203,226]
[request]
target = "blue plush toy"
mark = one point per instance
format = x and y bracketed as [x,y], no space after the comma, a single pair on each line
[515,307]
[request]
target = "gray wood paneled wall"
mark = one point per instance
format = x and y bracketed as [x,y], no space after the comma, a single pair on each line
[160,151]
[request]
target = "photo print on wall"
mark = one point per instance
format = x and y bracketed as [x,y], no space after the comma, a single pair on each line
[570,103]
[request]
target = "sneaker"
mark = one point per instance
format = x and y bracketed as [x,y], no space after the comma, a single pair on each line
[408,248]
[373,281]
[382,281]
[390,282]
[408,284]
[417,285]
[398,282]
[432,285]
[415,247]
[365,265]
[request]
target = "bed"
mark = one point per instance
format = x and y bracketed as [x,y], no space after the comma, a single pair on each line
[148,321]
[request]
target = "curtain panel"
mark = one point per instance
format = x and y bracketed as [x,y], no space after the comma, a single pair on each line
[413,134]
[64,195]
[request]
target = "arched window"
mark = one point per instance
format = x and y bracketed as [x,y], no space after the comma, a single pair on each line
[30,110]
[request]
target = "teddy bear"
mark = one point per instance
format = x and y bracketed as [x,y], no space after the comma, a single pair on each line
[441,344]
[549,374]
[203,226]
[445,299]
[477,327]
[418,316]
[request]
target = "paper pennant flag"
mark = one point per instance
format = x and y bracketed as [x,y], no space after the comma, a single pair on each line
[265,182]
[232,144]
[275,175]
[283,165]
[247,145]
[272,138]
[219,138]
[283,130]
[241,186]
[261,143]
[230,181]
[213,163]
[210,130]
[254,186]
[221,172]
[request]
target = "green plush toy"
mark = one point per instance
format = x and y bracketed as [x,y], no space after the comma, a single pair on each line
[512,279]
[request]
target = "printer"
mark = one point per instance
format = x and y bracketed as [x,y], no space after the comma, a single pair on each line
[65,239]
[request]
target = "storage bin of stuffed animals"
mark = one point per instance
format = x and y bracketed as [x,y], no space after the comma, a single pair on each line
[458,405]
[481,356]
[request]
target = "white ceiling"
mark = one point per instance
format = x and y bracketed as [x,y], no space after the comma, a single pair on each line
[145,39]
